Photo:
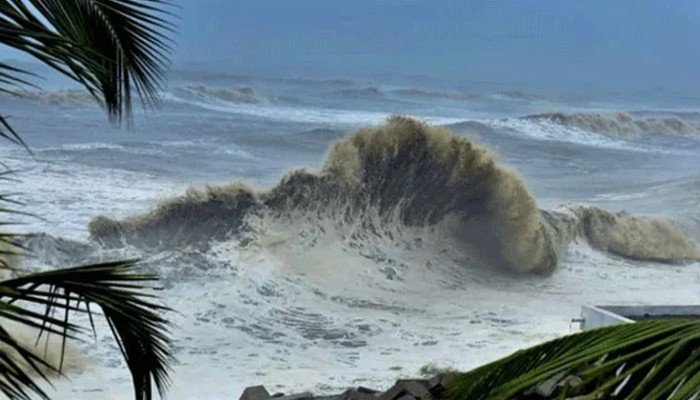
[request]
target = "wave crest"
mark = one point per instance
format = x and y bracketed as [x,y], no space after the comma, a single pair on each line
[635,237]
[620,124]
[404,174]
[432,94]
[369,92]
[245,95]
[61,98]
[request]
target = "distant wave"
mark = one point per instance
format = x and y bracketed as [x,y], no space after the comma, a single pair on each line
[432,94]
[315,82]
[380,184]
[150,149]
[81,98]
[245,95]
[281,112]
[61,98]
[685,115]
[369,92]
[620,124]
[520,95]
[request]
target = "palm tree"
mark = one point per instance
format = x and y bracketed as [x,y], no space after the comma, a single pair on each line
[117,50]
[646,360]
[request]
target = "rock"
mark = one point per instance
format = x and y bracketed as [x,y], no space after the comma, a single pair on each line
[359,394]
[418,389]
[255,393]
[329,397]
[298,396]
[440,382]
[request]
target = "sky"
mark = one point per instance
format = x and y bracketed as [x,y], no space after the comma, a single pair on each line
[546,45]
[621,44]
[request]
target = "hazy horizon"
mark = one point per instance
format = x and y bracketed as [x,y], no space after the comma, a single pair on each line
[540,46]
[543,45]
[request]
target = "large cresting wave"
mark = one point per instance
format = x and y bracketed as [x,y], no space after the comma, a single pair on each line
[405,175]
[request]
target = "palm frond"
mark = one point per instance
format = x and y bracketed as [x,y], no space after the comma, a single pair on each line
[15,362]
[13,77]
[10,247]
[111,47]
[135,319]
[10,134]
[645,360]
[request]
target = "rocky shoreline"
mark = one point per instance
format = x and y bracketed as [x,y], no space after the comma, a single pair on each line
[403,389]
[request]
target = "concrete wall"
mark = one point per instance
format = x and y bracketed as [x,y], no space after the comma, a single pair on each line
[598,316]
[595,317]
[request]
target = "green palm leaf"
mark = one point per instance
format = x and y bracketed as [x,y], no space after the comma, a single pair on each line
[645,360]
[136,321]
[111,47]
[116,49]
[134,318]
[10,247]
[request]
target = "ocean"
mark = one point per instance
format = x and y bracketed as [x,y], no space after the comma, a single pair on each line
[310,238]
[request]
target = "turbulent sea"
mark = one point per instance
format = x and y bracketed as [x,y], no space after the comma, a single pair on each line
[309,242]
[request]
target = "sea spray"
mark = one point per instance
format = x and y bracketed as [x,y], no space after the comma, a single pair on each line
[404,175]
[245,95]
[403,172]
[197,216]
[643,238]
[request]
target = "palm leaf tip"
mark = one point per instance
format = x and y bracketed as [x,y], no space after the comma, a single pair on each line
[136,321]
[7,132]
[645,360]
[114,48]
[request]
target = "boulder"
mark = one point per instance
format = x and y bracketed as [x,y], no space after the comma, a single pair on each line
[255,393]
[418,389]
[359,394]
[440,382]
[298,396]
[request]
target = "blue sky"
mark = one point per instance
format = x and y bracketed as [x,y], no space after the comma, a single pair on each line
[619,44]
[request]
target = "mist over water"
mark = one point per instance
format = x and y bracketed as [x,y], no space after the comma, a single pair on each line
[303,235]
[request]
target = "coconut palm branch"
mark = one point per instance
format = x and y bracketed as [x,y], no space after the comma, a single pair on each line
[133,316]
[645,360]
[117,50]
[112,47]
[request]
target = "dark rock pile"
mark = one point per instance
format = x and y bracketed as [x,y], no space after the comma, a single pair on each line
[404,389]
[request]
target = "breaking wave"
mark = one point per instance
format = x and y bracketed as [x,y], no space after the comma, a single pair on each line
[61,98]
[404,177]
[620,124]
[82,98]
[369,92]
[432,94]
[519,95]
[636,237]
[245,95]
